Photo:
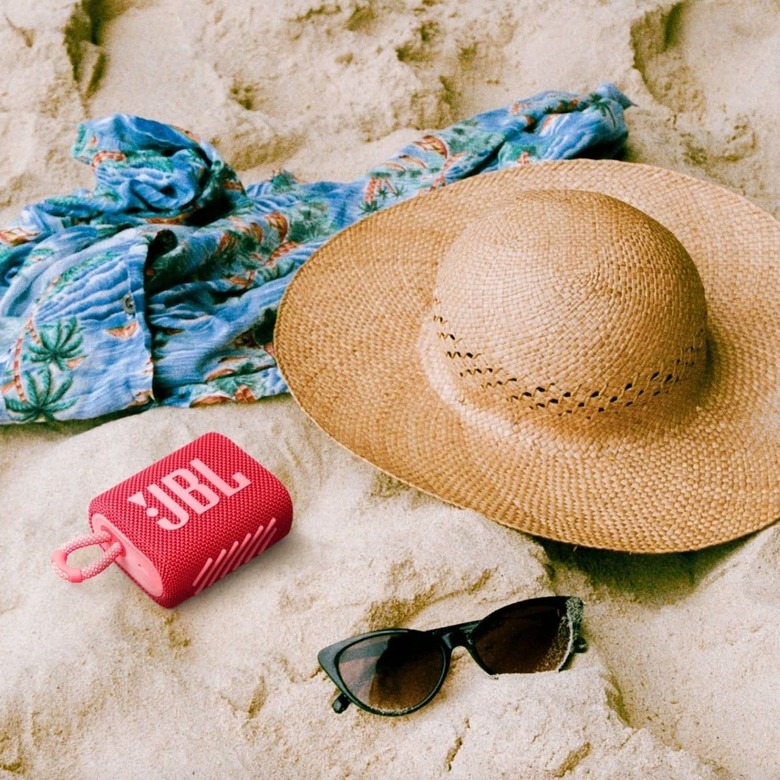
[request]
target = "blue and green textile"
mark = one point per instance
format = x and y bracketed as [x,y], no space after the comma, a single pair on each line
[161,285]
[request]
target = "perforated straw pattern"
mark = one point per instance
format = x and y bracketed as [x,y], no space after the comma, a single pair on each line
[606,318]
[557,361]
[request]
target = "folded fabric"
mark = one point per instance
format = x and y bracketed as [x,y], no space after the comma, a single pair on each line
[161,285]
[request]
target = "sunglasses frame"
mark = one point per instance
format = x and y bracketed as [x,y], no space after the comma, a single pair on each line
[449,637]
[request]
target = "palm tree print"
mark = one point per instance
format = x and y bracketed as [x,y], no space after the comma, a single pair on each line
[604,106]
[57,343]
[53,346]
[43,398]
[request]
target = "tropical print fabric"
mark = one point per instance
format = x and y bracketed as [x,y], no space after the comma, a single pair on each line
[161,285]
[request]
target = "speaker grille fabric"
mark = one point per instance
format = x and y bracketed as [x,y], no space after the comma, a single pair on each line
[193,517]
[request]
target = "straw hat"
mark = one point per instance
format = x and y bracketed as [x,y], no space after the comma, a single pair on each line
[588,351]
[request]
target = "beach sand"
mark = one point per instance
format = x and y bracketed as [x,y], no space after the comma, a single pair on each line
[680,679]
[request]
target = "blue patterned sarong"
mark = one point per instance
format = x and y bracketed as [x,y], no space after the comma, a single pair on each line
[161,285]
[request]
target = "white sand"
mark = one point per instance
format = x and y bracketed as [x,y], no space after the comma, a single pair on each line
[96,680]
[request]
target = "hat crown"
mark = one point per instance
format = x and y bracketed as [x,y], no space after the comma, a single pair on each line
[569,302]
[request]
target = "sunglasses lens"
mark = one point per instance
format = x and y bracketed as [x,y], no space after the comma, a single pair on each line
[530,637]
[392,673]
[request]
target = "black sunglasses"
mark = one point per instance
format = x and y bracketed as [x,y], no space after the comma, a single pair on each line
[396,671]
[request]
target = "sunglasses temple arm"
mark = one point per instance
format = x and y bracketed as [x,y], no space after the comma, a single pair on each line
[340,703]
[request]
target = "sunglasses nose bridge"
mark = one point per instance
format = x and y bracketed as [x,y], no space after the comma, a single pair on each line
[460,636]
[454,637]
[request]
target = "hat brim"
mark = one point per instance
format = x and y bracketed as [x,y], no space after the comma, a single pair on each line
[347,341]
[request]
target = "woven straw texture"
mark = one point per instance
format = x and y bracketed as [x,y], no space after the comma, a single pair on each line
[598,370]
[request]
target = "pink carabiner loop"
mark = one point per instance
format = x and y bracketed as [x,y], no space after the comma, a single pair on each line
[63,569]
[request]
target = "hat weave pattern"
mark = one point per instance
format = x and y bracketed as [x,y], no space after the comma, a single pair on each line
[607,320]
[587,351]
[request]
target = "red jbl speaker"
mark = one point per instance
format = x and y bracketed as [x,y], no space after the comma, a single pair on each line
[186,521]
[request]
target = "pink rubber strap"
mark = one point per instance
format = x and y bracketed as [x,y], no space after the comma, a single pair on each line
[59,558]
